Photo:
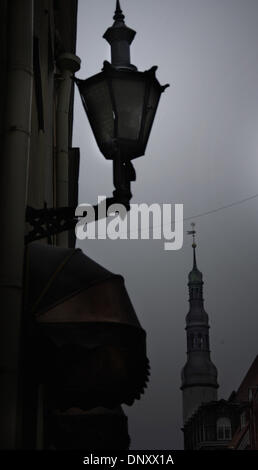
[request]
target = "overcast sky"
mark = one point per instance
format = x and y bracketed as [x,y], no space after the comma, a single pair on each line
[202,153]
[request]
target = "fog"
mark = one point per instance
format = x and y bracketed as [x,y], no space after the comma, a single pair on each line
[202,153]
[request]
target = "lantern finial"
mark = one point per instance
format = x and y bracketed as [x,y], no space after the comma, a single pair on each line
[118,16]
[120,37]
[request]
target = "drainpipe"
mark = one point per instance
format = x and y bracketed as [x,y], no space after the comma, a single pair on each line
[68,64]
[13,194]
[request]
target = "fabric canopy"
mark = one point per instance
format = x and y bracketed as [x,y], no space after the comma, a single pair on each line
[90,347]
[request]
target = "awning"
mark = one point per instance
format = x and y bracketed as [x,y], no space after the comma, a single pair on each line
[88,345]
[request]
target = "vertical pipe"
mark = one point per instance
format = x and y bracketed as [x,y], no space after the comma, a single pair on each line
[68,64]
[13,194]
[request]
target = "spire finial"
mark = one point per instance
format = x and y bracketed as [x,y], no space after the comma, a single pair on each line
[118,16]
[193,233]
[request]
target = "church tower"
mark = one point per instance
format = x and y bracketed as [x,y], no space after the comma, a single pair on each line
[199,375]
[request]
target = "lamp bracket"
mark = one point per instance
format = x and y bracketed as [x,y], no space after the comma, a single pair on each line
[47,222]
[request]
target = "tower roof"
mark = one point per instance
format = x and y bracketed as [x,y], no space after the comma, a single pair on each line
[195,284]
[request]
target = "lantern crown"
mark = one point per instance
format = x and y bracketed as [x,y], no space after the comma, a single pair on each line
[120,37]
[118,16]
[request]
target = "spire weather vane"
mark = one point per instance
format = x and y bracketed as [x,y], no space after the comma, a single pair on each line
[193,233]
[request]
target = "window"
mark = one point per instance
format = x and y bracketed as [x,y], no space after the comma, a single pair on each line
[200,342]
[223,429]
[242,420]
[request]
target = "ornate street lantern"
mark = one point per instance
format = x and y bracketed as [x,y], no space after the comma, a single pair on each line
[121,104]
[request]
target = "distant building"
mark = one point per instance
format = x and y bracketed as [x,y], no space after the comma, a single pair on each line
[199,375]
[212,426]
[209,423]
[227,424]
[246,435]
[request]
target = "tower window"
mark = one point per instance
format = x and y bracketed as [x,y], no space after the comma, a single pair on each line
[243,420]
[200,341]
[224,429]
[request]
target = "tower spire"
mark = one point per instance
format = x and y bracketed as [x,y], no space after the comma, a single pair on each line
[193,233]
[199,375]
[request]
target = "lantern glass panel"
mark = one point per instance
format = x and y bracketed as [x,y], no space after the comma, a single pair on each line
[152,104]
[98,105]
[129,100]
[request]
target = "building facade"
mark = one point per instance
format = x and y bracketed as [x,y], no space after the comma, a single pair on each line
[34,161]
[246,435]
[212,426]
[227,424]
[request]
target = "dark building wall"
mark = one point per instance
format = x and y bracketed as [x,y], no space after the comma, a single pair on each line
[203,430]
[32,35]
[55,26]
[50,30]
[54,34]
[3,59]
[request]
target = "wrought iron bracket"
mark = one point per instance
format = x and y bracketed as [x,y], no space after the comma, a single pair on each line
[47,222]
